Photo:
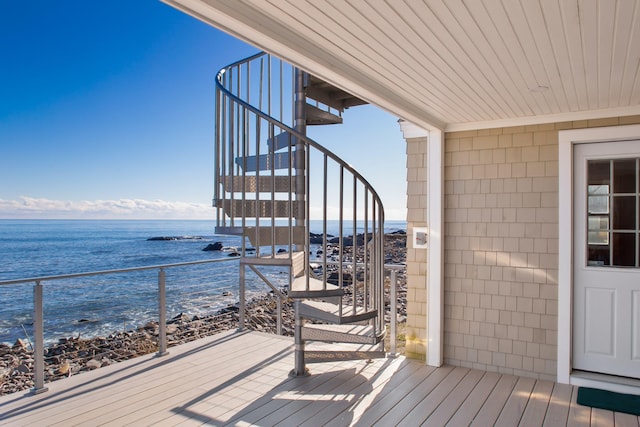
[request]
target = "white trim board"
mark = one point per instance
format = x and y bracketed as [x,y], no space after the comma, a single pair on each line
[434,283]
[566,140]
[551,118]
[435,263]
[410,130]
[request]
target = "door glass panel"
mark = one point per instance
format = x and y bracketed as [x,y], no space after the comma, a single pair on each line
[624,249]
[624,174]
[624,212]
[598,222]
[598,255]
[598,172]
[598,204]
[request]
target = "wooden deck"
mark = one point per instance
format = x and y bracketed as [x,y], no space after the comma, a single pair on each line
[242,379]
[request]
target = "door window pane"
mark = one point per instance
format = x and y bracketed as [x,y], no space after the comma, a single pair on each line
[598,222]
[624,249]
[598,255]
[624,212]
[624,176]
[598,204]
[598,172]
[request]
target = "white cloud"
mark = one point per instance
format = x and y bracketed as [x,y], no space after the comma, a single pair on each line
[40,208]
[34,208]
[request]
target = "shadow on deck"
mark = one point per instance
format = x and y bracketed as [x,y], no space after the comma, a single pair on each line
[243,379]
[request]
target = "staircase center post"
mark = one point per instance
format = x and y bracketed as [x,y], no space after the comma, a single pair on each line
[300,125]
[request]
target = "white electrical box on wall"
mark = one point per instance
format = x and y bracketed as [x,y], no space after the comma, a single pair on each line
[420,237]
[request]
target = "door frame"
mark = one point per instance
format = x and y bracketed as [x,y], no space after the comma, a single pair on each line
[566,141]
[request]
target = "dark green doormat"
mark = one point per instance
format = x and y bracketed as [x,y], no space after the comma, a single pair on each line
[610,400]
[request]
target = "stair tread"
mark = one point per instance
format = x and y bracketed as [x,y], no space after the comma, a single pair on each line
[294,260]
[330,95]
[282,235]
[265,162]
[332,308]
[330,312]
[348,333]
[342,356]
[252,208]
[318,116]
[282,258]
[259,184]
[365,330]
[229,230]
[316,289]
[318,352]
[280,141]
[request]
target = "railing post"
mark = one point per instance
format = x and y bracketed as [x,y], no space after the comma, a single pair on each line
[38,336]
[162,314]
[279,319]
[393,315]
[241,297]
[299,370]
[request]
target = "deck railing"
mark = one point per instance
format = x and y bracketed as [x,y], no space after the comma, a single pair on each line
[39,303]
[39,284]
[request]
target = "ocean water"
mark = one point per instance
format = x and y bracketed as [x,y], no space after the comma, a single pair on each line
[99,305]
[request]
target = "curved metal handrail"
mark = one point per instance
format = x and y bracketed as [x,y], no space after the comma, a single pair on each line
[246,125]
[308,141]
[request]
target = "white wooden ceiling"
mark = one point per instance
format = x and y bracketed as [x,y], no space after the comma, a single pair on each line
[454,63]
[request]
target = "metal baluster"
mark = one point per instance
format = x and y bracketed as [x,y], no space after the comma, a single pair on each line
[354,242]
[341,234]
[393,315]
[365,253]
[324,221]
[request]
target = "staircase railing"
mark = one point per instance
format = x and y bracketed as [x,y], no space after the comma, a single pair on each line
[271,180]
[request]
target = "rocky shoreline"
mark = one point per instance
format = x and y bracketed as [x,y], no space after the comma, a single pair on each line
[70,356]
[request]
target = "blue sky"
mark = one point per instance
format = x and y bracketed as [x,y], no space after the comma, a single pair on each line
[107,112]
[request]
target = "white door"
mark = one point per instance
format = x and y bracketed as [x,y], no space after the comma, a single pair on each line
[606,272]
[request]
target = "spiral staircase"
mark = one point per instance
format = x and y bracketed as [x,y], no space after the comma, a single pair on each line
[271,179]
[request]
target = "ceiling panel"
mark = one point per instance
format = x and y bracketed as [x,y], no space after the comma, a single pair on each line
[448,63]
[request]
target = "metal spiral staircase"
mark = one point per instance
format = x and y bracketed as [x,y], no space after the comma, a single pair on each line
[271,180]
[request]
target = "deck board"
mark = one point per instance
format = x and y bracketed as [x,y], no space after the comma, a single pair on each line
[403,381]
[458,395]
[538,404]
[473,403]
[578,415]
[349,410]
[626,420]
[558,410]
[434,399]
[401,408]
[516,404]
[495,402]
[243,379]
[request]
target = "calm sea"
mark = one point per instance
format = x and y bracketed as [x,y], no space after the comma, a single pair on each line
[99,305]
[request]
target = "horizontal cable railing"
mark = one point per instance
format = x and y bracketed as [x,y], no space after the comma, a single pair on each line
[103,309]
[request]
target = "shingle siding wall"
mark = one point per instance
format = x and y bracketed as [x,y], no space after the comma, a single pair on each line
[500,263]
[501,248]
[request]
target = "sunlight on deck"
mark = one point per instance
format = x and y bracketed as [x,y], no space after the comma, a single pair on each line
[242,379]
